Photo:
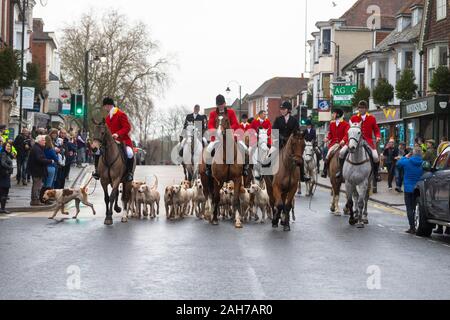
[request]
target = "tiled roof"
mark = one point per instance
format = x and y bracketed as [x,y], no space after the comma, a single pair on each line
[406,36]
[357,15]
[284,87]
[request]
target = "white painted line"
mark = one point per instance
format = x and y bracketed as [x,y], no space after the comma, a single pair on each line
[381,226]
[446,245]
[392,229]
[432,241]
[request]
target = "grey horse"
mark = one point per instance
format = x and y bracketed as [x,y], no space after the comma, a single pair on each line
[357,174]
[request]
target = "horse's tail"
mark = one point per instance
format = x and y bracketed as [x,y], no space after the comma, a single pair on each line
[155,187]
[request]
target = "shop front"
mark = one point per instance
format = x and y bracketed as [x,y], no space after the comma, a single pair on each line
[391,125]
[427,118]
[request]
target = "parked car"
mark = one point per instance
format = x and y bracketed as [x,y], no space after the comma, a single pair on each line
[433,196]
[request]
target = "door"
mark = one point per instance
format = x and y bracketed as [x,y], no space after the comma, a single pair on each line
[438,188]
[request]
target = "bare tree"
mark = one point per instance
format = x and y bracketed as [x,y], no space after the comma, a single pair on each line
[131,58]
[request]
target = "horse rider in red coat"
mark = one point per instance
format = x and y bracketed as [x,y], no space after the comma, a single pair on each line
[337,137]
[262,122]
[245,124]
[369,128]
[119,125]
[234,125]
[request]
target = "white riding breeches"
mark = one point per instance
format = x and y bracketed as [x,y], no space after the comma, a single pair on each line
[375,155]
[332,150]
[130,152]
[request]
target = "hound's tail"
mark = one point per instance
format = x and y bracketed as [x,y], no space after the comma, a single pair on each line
[155,187]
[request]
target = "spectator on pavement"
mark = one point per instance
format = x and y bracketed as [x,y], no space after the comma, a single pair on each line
[443,145]
[38,169]
[412,168]
[71,154]
[402,151]
[50,153]
[6,170]
[390,155]
[81,142]
[61,144]
[23,147]
[430,154]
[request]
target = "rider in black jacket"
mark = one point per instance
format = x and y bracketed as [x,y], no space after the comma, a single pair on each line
[286,125]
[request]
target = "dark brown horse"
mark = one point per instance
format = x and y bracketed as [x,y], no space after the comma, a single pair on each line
[112,170]
[335,182]
[282,186]
[223,172]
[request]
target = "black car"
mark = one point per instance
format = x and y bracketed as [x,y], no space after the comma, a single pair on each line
[433,196]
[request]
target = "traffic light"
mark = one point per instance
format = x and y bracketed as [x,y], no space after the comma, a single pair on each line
[77,105]
[303,115]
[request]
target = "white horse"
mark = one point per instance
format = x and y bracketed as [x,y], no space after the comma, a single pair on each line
[192,151]
[357,174]
[259,156]
[310,163]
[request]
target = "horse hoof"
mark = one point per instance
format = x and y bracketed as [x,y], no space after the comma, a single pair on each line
[108,222]
[352,221]
[365,221]
[332,210]
[124,220]
[360,225]
[215,223]
[286,228]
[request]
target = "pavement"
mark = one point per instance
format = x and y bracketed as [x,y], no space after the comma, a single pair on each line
[20,195]
[323,257]
[384,196]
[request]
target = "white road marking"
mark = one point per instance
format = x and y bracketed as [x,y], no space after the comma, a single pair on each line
[381,226]
[255,284]
[446,245]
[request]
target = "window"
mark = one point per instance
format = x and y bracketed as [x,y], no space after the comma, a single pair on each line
[437,56]
[361,81]
[326,86]
[409,60]
[442,51]
[326,41]
[441,9]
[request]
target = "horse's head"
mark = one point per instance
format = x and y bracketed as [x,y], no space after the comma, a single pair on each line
[99,133]
[222,123]
[308,154]
[297,147]
[354,136]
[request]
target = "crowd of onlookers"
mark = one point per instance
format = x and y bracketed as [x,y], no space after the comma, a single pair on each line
[44,157]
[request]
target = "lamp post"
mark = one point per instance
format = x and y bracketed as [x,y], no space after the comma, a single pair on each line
[240,95]
[86,84]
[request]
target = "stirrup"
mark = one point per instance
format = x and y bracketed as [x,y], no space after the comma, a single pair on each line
[96,175]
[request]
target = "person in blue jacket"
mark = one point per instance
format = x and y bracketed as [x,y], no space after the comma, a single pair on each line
[50,153]
[413,171]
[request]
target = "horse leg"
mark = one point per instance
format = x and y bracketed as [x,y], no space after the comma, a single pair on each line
[349,205]
[236,204]
[108,219]
[333,201]
[278,206]
[215,203]
[287,211]
[366,202]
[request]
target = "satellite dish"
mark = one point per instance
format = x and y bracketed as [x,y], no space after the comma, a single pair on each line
[44,2]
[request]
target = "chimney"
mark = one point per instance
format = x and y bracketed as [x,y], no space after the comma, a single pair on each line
[38,25]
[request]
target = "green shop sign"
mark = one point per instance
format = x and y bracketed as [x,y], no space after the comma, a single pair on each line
[343,95]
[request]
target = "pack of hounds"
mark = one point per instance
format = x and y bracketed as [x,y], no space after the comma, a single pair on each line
[180,201]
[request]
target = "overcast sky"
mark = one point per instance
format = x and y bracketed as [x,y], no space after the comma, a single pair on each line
[215,42]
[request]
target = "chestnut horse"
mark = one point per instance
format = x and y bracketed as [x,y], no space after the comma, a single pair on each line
[223,172]
[335,183]
[282,186]
[112,169]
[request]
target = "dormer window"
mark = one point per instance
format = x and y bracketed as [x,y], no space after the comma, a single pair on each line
[403,22]
[416,16]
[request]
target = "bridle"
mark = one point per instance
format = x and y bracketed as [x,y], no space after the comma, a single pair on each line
[104,151]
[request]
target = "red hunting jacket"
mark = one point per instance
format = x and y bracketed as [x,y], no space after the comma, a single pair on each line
[245,126]
[120,125]
[338,133]
[231,116]
[369,128]
[256,125]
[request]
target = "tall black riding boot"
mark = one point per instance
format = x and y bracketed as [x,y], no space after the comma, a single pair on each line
[303,178]
[376,168]
[341,168]
[325,169]
[95,174]
[130,167]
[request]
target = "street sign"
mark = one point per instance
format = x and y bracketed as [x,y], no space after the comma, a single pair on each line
[324,105]
[343,95]
[28,98]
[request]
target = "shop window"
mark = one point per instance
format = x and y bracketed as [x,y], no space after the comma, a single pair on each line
[326,85]
[441,9]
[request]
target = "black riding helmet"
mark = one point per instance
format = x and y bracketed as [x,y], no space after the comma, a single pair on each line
[339,113]
[286,105]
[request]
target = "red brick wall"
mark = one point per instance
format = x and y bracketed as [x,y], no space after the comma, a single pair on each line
[274,109]
[437,31]
[40,58]
[5,25]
